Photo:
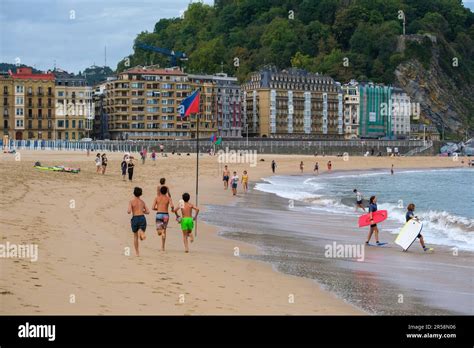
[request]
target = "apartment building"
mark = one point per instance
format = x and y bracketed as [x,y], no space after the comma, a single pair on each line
[6,102]
[100,129]
[74,106]
[142,103]
[32,97]
[351,109]
[292,103]
[207,105]
[401,113]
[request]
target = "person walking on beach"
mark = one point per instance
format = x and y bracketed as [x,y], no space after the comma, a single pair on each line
[329,166]
[187,219]
[138,208]
[373,226]
[162,149]
[153,157]
[391,170]
[98,163]
[411,215]
[131,166]
[161,205]
[245,181]
[123,166]
[225,177]
[234,182]
[162,184]
[358,200]
[316,168]
[273,166]
[301,167]
[104,163]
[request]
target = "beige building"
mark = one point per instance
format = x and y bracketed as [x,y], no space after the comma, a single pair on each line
[142,103]
[292,103]
[31,115]
[74,107]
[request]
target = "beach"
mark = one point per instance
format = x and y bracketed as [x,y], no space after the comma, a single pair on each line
[86,263]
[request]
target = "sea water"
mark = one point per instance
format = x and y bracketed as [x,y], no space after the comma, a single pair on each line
[444,198]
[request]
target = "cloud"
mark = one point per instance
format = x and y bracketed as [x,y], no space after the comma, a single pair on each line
[73,33]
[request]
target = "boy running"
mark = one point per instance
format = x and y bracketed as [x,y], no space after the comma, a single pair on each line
[137,207]
[161,205]
[187,219]
[162,184]
[358,200]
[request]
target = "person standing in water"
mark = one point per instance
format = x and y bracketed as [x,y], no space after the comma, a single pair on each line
[137,208]
[245,181]
[301,167]
[373,226]
[391,170]
[411,215]
[358,200]
[316,168]
[329,166]
[273,166]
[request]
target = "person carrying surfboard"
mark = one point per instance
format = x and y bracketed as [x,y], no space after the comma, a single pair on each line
[373,226]
[411,215]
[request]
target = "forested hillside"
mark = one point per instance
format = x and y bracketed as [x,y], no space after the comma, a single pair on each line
[347,39]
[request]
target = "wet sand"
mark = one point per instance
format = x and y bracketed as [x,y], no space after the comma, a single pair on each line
[388,281]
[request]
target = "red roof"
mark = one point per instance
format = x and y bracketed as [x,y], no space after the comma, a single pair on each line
[153,72]
[27,73]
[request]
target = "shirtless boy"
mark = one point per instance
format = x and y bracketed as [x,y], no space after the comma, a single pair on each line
[161,206]
[138,208]
[187,219]
[162,183]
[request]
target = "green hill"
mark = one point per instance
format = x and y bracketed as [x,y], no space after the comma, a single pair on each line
[344,38]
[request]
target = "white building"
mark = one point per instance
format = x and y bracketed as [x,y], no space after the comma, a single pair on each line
[351,109]
[401,113]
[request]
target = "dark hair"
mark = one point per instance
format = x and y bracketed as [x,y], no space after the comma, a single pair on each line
[137,191]
[162,181]
[371,199]
[186,197]
[355,190]
[163,190]
[411,207]
[98,155]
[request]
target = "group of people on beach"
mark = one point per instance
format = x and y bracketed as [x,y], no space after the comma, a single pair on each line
[101,163]
[234,180]
[162,205]
[374,230]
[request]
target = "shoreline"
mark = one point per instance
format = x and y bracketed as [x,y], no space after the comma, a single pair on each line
[215,281]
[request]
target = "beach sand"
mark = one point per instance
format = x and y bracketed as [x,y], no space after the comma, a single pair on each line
[81,227]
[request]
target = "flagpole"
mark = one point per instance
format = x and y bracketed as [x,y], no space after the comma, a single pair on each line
[197,167]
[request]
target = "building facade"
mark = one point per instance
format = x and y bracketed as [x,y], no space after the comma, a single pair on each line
[32,112]
[229,106]
[142,103]
[375,111]
[6,102]
[293,102]
[351,109]
[100,129]
[74,107]
[401,113]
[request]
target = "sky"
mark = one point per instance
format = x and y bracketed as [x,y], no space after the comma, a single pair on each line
[72,34]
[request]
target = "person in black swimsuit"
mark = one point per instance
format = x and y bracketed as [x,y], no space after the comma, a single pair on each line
[130,169]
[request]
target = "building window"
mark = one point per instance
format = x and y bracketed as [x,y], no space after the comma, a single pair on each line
[19,89]
[19,111]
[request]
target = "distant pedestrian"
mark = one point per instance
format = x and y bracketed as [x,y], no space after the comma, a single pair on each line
[329,166]
[316,168]
[104,163]
[153,157]
[391,170]
[98,163]
[301,167]
[162,148]
[273,166]
[124,166]
[131,166]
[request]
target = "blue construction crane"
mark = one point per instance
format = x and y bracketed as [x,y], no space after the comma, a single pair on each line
[173,54]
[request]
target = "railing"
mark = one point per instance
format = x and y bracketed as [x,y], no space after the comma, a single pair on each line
[355,147]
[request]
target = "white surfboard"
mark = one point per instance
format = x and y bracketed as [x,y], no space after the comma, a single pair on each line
[408,233]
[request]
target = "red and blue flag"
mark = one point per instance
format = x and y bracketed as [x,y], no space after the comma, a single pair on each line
[189,105]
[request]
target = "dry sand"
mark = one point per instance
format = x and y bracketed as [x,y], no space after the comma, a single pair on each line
[80,224]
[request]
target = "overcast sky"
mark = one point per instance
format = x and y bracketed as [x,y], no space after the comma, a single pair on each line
[73,33]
